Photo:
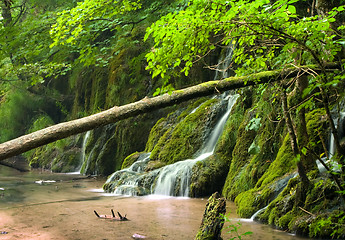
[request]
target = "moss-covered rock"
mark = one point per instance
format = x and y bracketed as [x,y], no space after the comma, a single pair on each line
[240,157]
[107,147]
[208,177]
[69,161]
[182,141]
[129,160]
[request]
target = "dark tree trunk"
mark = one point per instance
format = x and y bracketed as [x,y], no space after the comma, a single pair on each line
[293,139]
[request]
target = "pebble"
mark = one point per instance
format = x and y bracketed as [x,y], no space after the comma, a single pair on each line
[138,236]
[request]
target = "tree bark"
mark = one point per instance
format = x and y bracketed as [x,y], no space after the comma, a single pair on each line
[293,139]
[62,130]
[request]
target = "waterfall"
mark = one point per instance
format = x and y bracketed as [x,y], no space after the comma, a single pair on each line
[171,180]
[82,156]
[223,64]
[174,179]
[333,165]
[252,218]
[83,147]
[127,180]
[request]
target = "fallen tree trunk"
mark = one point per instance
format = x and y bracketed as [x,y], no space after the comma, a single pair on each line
[62,130]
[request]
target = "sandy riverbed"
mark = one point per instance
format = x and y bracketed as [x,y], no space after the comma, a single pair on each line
[54,215]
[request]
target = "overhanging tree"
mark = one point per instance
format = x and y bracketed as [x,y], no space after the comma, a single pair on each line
[264,36]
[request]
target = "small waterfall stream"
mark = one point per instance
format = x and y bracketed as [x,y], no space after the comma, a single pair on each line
[174,179]
[171,180]
[178,175]
[332,164]
[83,147]
[82,156]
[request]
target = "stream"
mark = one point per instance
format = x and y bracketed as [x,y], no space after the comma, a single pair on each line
[44,205]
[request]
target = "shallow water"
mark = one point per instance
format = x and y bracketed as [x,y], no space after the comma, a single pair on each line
[42,205]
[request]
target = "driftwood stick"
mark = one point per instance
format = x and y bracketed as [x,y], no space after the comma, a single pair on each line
[96,213]
[306,211]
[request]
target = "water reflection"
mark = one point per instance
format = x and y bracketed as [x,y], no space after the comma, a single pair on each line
[61,207]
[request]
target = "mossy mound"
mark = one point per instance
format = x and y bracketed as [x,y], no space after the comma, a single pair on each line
[208,177]
[320,215]
[183,140]
[128,161]
[240,156]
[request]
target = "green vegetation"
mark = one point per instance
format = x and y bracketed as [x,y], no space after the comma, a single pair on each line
[62,60]
[183,140]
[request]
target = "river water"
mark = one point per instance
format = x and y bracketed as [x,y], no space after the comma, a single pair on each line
[42,205]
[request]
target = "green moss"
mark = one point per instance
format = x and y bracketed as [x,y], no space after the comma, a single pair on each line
[247,203]
[185,139]
[156,132]
[208,177]
[284,221]
[284,163]
[128,161]
[67,162]
[240,157]
[152,165]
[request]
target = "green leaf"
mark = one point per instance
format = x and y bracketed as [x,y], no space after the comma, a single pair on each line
[292,9]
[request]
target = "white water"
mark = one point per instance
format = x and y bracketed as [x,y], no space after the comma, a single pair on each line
[128,178]
[223,64]
[174,179]
[257,213]
[279,186]
[171,180]
[83,150]
[83,147]
[332,164]
[82,158]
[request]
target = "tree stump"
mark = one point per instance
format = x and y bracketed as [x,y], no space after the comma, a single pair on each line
[213,221]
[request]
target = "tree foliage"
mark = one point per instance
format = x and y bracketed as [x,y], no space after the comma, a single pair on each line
[263,35]
[24,39]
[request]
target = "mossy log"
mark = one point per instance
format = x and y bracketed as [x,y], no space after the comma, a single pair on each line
[62,130]
[213,221]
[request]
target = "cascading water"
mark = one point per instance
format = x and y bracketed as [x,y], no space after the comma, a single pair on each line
[127,180]
[174,179]
[83,149]
[333,165]
[223,64]
[278,187]
[171,180]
